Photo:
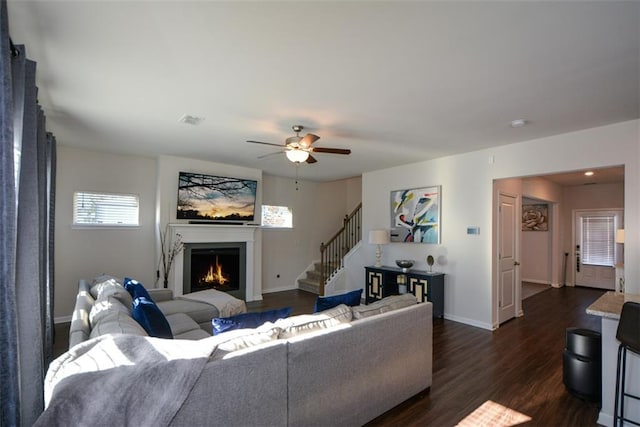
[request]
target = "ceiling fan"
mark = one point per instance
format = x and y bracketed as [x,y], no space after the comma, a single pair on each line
[298,148]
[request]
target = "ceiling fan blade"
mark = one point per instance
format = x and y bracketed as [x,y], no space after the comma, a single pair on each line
[311,159]
[269,155]
[331,150]
[267,143]
[308,140]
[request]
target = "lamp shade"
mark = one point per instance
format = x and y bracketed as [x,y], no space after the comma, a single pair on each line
[297,155]
[620,235]
[379,237]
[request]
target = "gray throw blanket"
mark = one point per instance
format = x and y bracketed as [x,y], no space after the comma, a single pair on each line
[122,380]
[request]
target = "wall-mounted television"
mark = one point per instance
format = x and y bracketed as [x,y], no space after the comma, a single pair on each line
[216,198]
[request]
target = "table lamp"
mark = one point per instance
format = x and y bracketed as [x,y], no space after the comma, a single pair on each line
[379,237]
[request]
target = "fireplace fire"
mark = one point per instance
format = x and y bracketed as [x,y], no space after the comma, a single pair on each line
[218,266]
[214,275]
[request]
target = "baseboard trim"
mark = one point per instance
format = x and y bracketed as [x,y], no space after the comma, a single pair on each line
[62,319]
[280,289]
[539,282]
[469,322]
[604,419]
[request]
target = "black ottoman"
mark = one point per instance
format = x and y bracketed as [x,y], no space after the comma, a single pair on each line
[582,364]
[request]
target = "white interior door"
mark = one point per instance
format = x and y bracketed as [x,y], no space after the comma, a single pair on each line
[595,250]
[507,258]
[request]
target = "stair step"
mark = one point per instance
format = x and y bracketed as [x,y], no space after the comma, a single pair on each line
[309,285]
[329,267]
[313,275]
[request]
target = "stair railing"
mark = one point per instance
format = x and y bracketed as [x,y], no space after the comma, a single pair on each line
[332,253]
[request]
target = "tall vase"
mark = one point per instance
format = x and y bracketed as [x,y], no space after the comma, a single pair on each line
[166,282]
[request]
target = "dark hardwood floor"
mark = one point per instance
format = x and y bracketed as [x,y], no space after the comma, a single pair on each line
[518,366]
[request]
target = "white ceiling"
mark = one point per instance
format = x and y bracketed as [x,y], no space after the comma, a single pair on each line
[396,82]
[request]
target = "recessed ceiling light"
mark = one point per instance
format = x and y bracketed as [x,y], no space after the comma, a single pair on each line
[191,120]
[518,123]
[588,173]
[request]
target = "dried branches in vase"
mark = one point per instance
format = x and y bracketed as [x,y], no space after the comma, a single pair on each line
[168,253]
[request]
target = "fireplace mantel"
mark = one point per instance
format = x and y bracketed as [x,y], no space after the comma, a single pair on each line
[207,233]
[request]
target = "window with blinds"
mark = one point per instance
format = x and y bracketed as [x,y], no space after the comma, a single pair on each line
[598,240]
[277,217]
[104,209]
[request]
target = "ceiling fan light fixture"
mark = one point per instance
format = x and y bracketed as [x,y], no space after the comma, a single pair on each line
[297,155]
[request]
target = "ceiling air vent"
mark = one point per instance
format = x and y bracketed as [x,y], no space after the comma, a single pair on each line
[191,120]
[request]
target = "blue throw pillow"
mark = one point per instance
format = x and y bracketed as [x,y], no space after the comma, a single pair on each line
[248,320]
[135,288]
[149,316]
[350,298]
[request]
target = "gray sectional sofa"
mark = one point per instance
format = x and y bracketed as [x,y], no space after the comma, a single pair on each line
[188,319]
[344,366]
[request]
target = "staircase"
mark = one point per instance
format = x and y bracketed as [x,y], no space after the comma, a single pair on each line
[311,283]
[332,253]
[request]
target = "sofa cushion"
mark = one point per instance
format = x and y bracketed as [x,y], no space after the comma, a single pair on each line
[105,304]
[306,323]
[149,316]
[160,294]
[181,323]
[248,320]
[389,303]
[108,286]
[117,322]
[103,278]
[193,334]
[241,339]
[350,298]
[80,327]
[135,288]
[201,312]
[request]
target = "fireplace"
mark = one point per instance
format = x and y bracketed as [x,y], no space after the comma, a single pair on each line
[205,233]
[219,266]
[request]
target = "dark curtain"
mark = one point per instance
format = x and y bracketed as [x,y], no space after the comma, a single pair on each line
[27,171]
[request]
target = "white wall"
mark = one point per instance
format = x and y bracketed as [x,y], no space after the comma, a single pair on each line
[535,265]
[542,189]
[318,210]
[468,200]
[82,253]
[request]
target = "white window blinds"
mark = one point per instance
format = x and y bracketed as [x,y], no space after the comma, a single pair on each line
[598,240]
[277,216]
[104,209]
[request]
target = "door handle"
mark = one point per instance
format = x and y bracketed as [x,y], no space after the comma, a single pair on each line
[516,263]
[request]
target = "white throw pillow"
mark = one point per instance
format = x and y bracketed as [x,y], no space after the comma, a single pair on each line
[306,323]
[389,303]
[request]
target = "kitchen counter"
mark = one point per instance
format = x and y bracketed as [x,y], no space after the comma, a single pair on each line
[610,304]
[609,307]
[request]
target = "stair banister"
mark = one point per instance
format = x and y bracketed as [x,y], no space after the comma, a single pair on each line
[332,253]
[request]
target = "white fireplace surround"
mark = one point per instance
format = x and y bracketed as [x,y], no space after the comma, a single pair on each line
[205,233]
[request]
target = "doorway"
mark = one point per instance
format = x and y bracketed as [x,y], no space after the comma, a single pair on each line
[563,192]
[595,250]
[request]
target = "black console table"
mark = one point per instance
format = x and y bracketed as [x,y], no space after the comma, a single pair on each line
[384,281]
